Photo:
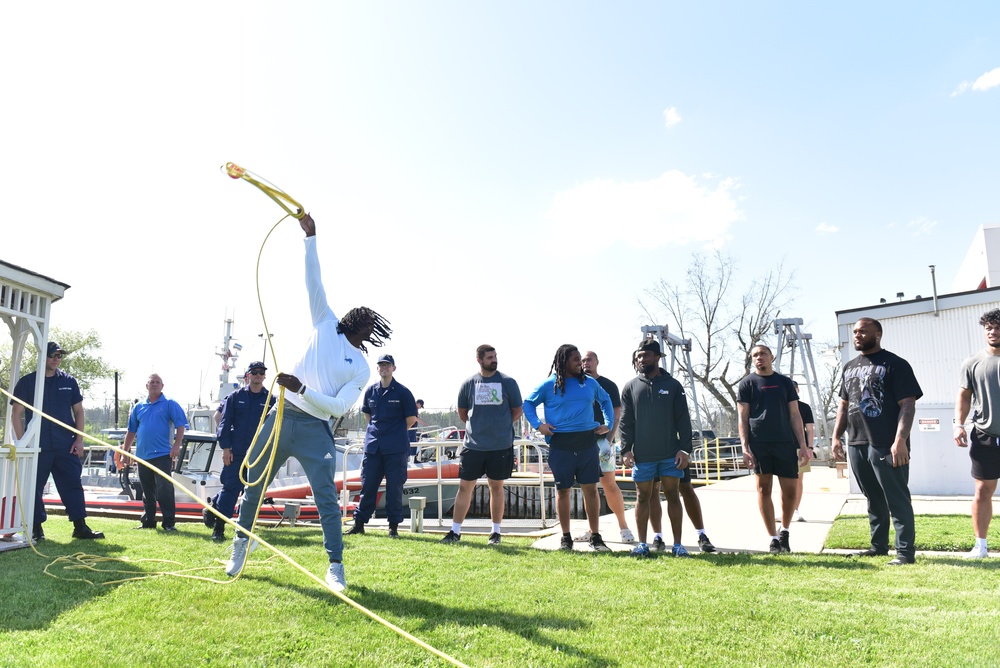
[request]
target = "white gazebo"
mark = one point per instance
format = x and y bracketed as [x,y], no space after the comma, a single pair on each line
[25,303]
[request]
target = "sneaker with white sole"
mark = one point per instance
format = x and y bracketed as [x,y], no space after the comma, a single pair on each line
[679,551]
[978,552]
[335,577]
[242,548]
[797,517]
[627,536]
[597,543]
[640,551]
[584,537]
[659,545]
[704,544]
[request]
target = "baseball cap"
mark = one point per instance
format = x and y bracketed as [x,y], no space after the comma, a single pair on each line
[55,348]
[387,359]
[256,365]
[650,345]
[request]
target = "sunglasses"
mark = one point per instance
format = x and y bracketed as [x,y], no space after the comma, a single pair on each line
[257,372]
[57,356]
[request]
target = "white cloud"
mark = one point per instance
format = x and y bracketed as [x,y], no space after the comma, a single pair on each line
[673,208]
[671,117]
[823,229]
[921,226]
[989,80]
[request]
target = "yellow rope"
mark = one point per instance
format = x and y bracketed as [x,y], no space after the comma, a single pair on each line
[280,197]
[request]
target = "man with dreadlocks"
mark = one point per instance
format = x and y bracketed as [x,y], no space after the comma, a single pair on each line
[571,431]
[325,383]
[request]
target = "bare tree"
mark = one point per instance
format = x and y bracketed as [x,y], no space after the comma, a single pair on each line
[723,321]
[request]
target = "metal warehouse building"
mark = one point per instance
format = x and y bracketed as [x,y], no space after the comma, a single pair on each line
[935,335]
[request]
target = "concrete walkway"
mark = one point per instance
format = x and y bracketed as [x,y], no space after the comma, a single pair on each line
[733,523]
[732,519]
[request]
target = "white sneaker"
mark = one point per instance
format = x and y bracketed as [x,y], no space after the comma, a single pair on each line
[978,552]
[335,577]
[796,517]
[584,537]
[627,536]
[240,554]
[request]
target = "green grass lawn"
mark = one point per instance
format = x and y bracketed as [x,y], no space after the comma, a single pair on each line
[512,606]
[938,533]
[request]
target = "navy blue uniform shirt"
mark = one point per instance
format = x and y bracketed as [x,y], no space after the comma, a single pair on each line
[61,393]
[240,416]
[388,409]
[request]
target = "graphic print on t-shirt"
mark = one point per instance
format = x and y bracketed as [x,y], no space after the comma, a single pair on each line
[867,382]
[489,394]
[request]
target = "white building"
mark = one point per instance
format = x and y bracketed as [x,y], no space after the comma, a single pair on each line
[935,335]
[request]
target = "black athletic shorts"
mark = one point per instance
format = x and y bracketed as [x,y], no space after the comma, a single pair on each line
[494,464]
[985,455]
[780,459]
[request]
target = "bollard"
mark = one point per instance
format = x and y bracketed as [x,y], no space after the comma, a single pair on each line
[417,505]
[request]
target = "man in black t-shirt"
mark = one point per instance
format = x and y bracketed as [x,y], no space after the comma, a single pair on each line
[771,432]
[878,396]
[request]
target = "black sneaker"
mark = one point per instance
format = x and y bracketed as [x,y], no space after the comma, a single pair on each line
[783,541]
[170,529]
[659,545]
[393,531]
[358,528]
[597,543]
[704,544]
[775,546]
[566,543]
[451,537]
[494,539]
[37,534]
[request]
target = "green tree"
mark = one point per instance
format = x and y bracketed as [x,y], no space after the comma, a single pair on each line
[81,360]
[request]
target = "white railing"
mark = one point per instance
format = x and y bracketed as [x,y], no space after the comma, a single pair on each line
[440,481]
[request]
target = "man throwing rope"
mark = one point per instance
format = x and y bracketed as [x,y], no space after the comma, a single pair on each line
[324,383]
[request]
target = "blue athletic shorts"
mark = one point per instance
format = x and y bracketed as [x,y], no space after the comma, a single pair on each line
[646,471]
[569,466]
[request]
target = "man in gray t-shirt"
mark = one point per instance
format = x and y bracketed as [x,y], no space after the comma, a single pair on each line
[489,403]
[979,390]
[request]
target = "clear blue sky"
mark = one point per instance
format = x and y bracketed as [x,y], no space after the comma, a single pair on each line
[515,173]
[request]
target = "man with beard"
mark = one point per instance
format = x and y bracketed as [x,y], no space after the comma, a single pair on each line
[980,389]
[489,403]
[656,442]
[571,432]
[770,429]
[878,397]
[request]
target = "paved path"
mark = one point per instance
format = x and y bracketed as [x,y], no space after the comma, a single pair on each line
[732,520]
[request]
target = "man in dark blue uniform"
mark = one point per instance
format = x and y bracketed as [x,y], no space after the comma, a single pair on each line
[61,449]
[390,410]
[240,416]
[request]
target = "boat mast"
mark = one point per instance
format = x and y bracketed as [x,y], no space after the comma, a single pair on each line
[230,353]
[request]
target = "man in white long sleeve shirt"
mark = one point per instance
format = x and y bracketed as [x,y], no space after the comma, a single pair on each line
[325,383]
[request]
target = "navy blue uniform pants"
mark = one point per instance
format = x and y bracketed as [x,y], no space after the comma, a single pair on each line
[225,500]
[65,469]
[374,467]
